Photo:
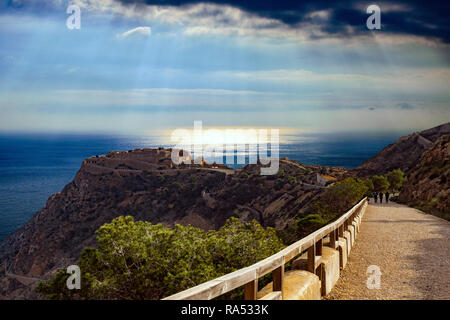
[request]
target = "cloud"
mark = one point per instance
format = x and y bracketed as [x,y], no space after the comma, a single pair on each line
[331,18]
[299,20]
[141,31]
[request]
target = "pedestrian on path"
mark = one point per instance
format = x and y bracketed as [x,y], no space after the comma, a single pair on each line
[381,197]
[375,196]
[386,195]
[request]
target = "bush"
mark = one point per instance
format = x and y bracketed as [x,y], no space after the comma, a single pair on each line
[396,178]
[140,260]
[292,179]
[310,223]
[340,197]
[335,201]
[380,183]
[370,186]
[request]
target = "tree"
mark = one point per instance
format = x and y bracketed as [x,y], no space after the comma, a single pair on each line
[140,260]
[343,195]
[396,179]
[380,183]
[310,223]
[370,186]
[238,244]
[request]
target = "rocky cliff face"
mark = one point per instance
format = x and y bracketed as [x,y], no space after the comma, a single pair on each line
[424,157]
[428,184]
[145,184]
[404,153]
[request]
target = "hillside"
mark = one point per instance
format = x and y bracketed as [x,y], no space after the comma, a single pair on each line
[145,184]
[405,153]
[428,184]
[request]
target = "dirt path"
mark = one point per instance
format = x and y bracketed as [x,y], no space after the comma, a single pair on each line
[412,250]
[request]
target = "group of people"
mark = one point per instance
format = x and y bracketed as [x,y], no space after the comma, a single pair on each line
[377,195]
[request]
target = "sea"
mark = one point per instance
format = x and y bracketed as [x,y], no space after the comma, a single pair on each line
[35,166]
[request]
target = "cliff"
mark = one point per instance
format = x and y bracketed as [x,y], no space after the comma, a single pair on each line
[428,184]
[145,184]
[405,153]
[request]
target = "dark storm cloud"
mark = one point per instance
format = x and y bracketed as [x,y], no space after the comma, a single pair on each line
[423,18]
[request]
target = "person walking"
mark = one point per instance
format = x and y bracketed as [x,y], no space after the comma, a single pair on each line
[381,197]
[386,195]
[375,196]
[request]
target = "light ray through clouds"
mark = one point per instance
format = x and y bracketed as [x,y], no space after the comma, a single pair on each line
[134,67]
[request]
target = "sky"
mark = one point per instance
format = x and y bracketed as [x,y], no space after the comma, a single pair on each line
[137,66]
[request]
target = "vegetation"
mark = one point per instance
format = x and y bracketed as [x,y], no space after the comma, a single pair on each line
[140,260]
[311,222]
[292,179]
[370,187]
[380,183]
[336,200]
[340,197]
[396,178]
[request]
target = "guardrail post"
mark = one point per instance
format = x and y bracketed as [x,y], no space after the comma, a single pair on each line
[278,275]
[341,231]
[251,290]
[312,258]
[319,248]
[333,239]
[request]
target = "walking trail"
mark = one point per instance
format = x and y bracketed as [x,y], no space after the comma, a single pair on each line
[411,248]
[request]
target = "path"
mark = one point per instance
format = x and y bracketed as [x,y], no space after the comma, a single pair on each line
[412,250]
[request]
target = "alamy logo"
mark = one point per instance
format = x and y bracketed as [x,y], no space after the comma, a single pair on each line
[74,280]
[374,279]
[374,20]
[74,20]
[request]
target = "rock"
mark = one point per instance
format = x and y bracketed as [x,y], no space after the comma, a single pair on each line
[428,183]
[405,153]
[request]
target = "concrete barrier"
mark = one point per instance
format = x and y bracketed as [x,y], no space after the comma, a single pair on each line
[298,285]
[330,269]
[352,230]
[348,240]
[343,254]
[341,248]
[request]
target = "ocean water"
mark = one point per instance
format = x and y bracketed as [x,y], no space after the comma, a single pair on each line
[35,166]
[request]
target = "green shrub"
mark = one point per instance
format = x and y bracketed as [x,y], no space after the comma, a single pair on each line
[380,183]
[140,260]
[340,197]
[370,186]
[396,178]
[292,179]
[311,222]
